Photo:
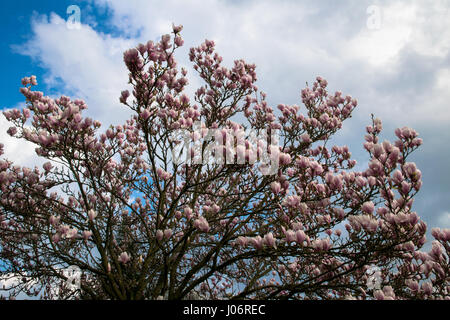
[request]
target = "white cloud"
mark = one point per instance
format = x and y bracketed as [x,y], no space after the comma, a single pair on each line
[380,47]
[88,63]
[292,42]
[19,151]
[444,220]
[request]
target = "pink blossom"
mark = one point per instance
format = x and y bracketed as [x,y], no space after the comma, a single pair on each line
[177,29]
[124,96]
[54,220]
[290,236]
[150,204]
[47,166]
[427,288]
[360,181]
[368,207]
[376,167]
[242,241]
[322,244]
[72,233]
[12,131]
[164,175]
[159,235]
[269,240]
[179,41]
[92,214]
[202,224]
[378,294]
[124,258]
[188,212]
[285,158]
[398,177]
[292,201]
[87,234]
[56,237]
[300,236]
[167,233]
[305,138]
[145,114]
[412,284]
[257,242]
[276,187]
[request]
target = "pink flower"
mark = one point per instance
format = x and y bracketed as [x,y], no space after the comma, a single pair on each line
[87,234]
[292,201]
[201,224]
[72,234]
[300,236]
[167,233]
[322,244]
[33,81]
[427,288]
[441,234]
[177,29]
[145,114]
[269,240]
[398,176]
[379,295]
[56,237]
[242,241]
[12,131]
[179,41]
[257,242]
[47,166]
[368,207]
[376,167]
[276,187]
[285,158]
[405,187]
[361,181]
[54,220]
[92,214]
[412,284]
[188,212]
[124,96]
[165,38]
[124,258]
[159,235]
[163,174]
[290,236]
[372,181]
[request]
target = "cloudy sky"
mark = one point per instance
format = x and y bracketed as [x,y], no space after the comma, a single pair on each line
[393,56]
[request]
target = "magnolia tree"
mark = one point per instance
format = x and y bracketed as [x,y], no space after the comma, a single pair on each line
[217,198]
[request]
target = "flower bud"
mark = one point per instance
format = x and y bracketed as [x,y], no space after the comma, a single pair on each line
[276,187]
[92,214]
[159,235]
[368,207]
[124,258]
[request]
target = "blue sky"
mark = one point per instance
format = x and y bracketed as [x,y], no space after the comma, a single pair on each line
[17,22]
[397,68]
